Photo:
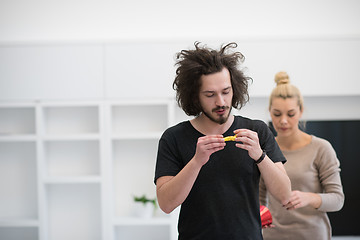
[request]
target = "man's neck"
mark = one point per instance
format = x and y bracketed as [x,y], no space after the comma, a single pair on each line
[208,127]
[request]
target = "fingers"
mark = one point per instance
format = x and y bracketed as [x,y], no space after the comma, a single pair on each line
[207,145]
[211,142]
[248,140]
[246,136]
[295,201]
[291,205]
[269,226]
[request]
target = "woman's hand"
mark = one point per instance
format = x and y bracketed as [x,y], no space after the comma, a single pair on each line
[300,199]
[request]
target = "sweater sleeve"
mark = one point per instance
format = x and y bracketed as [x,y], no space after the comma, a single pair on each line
[329,173]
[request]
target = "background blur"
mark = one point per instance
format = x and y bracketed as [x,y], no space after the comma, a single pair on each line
[85,84]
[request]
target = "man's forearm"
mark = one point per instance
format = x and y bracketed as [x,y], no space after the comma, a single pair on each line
[276,180]
[173,190]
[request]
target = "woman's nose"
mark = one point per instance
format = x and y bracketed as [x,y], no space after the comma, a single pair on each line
[283,120]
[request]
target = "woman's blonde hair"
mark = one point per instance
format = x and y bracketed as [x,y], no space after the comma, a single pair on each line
[285,90]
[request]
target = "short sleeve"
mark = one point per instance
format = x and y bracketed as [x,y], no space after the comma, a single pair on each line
[167,161]
[269,144]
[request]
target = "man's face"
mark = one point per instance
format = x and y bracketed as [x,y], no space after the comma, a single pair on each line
[216,96]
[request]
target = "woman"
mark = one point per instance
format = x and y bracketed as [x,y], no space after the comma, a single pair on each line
[313,169]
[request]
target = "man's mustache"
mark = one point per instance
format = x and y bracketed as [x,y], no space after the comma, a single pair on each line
[220,108]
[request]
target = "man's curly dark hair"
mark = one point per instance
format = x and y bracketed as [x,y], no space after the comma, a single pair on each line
[192,64]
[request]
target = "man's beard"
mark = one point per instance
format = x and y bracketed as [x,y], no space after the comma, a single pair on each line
[222,119]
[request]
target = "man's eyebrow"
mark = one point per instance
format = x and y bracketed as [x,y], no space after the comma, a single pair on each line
[210,91]
[207,91]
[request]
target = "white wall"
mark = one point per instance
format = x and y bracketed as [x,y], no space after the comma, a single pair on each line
[80,49]
[80,20]
[61,50]
[124,70]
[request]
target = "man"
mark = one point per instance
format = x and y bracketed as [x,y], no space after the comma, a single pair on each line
[216,182]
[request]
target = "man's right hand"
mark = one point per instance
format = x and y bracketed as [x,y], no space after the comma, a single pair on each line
[206,146]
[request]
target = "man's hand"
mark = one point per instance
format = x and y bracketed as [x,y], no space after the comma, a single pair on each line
[249,141]
[206,146]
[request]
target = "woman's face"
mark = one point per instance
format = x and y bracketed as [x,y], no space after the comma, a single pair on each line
[285,115]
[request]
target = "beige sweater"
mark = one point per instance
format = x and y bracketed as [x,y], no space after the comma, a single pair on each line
[313,168]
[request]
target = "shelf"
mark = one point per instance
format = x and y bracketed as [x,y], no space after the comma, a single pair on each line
[19,233]
[71,120]
[17,121]
[72,158]
[18,180]
[19,223]
[72,180]
[134,221]
[70,137]
[148,232]
[73,212]
[133,161]
[66,169]
[134,120]
[18,138]
[141,136]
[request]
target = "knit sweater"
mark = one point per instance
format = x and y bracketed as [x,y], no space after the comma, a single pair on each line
[313,168]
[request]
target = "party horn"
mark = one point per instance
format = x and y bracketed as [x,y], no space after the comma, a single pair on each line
[266,218]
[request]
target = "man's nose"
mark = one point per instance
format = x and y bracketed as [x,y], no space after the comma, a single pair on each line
[220,100]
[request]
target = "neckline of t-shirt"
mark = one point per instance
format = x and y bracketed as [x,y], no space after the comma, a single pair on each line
[228,132]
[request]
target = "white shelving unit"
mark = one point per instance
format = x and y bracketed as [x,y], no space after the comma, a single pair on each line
[19,216]
[70,170]
[135,130]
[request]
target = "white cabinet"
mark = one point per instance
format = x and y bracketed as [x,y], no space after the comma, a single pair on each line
[18,172]
[145,70]
[135,131]
[51,71]
[70,170]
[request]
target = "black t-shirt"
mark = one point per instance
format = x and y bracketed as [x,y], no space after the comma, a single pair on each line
[223,203]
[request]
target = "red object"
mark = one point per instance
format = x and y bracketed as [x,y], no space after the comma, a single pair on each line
[266,218]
